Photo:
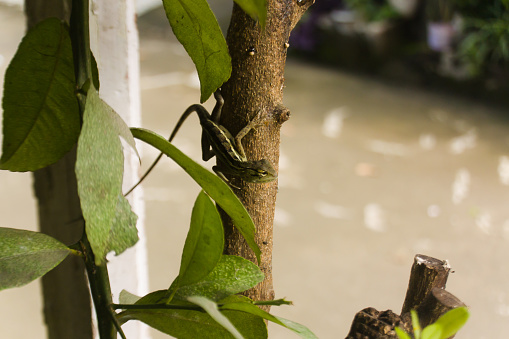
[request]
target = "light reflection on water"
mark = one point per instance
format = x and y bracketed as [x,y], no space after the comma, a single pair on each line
[463,142]
[503,169]
[333,122]
[460,186]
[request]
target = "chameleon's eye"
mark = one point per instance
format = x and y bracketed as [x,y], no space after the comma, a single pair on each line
[262,173]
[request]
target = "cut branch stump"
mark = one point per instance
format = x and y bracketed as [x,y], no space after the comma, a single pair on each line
[426,294]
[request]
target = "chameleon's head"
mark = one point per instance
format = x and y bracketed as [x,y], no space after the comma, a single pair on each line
[259,171]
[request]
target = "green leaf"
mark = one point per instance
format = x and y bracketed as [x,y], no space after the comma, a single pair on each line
[231,275]
[196,27]
[452,321]
[401,333]
[41,120]
[216,188]
[191,324]
[204,243]
[416,324]
[156,297]
[211,308]
[256,9]
[240,303]
[301,330]
[110,223]
[432,331]
[26,256]
[181,324]
[126,297]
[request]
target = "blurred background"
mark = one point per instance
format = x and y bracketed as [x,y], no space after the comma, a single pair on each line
[398,144]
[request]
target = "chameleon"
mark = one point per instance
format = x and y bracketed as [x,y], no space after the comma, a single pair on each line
[217,140]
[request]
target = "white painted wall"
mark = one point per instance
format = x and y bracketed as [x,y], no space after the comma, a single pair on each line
[142,6]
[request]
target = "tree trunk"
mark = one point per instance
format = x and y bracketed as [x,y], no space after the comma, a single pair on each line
[257,81]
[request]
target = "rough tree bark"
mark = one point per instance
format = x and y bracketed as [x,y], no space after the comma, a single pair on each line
[257,81]
[67,308]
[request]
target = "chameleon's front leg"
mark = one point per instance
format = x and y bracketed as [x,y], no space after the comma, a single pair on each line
[218,107]
[222,176]
[258,120]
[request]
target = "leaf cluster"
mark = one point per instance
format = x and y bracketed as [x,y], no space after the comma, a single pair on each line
[486,40]
[202,299]
[486,37]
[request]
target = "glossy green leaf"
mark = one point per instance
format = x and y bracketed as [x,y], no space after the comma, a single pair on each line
[110,223]
[211,308]
[240,303]
[26,256]
[452,321]
[402,334]
[196,27]
[256,9]
[432,331]
[41,120]
[231,275]
[216,188]
[204,243]
[191,324]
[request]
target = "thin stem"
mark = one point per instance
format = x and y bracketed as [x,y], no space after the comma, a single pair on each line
[97,274]
[76,253]
[101,292]
[277,302]
[81,42]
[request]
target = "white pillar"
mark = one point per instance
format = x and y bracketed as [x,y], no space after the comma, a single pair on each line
[114,41]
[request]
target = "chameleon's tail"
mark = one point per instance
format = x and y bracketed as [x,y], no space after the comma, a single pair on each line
[188,111]
[202,114]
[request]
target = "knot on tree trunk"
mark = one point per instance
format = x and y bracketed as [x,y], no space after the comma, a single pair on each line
[281,113]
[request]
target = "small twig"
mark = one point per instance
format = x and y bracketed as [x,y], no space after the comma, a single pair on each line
[276,302]
[156,307]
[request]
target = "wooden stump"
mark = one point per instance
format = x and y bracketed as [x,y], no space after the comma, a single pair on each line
[426,294]
[427,273]
[370,323]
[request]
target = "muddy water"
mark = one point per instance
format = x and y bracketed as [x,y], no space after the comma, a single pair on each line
[371,173]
